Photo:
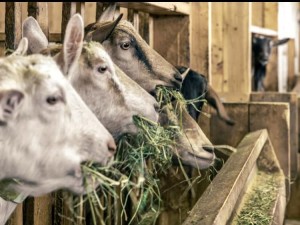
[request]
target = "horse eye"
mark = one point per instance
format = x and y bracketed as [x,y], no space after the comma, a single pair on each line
[102,69]
[52,100]
[125,45]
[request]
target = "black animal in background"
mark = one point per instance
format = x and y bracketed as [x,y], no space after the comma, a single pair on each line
[195,85]
[261,51]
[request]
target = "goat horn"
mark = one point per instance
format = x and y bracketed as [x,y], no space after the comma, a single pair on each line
[183,75]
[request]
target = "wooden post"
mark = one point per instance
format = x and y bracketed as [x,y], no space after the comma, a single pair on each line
[13,24]
[200,32]
[144,25]
[292,99]
[68,9]
[273,116]
[99,9]
[80,8]
[291,65]
[55,16]
[231,50]
[270,16]
[136,20]
[258,14]
[171,38]
[17,216]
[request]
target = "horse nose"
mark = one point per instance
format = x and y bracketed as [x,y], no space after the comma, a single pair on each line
[209,149]
[112,148]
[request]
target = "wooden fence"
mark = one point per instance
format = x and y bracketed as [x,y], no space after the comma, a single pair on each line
[214,39]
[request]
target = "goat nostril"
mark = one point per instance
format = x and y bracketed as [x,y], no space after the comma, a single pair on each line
[111,145]
[209,149]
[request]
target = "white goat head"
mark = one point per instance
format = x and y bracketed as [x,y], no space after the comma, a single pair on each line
[97,79]
[46,129]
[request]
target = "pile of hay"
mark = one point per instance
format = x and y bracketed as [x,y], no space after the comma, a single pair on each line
[257,209]
[133,177]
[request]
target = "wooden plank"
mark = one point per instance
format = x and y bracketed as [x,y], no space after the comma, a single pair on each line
[2,17]
[43,210]
[17,216]
[99,9]
[125,13]
[291,64]
[80,8]
[136,21]
[55,16]
[39,10]
[293,207]
[55,37]
[2,37]
[2,48]
[271,22]
[270,15]
[257,13]
[200,59]
[217,55]
[263,31]
[171,38]
[275,118]
[144,25]
[159,8]
[90,13]
[237,52]
[229,183]
[222,134]
[68,9]
[176,199]
[292,99]
[271,80]
[13,24]
[236,84]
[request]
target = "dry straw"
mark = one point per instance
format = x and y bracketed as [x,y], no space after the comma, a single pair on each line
[133,177]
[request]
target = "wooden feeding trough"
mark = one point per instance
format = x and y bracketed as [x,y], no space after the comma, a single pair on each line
[231,192]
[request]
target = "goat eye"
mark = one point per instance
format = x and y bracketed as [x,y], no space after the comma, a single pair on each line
[102,69]
[125,45]
[52,100]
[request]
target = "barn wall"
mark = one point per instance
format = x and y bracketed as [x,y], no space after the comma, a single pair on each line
[288,26]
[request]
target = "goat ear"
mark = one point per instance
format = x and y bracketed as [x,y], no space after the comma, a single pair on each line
[101,31]
[185,73]
[214,100]
[280,42]
[109,13]
[73,43]
[37,40]
[10,102]
[22,47]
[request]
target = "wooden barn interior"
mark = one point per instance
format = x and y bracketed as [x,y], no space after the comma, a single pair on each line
[214,39]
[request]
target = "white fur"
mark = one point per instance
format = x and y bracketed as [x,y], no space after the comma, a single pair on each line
[46,143]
